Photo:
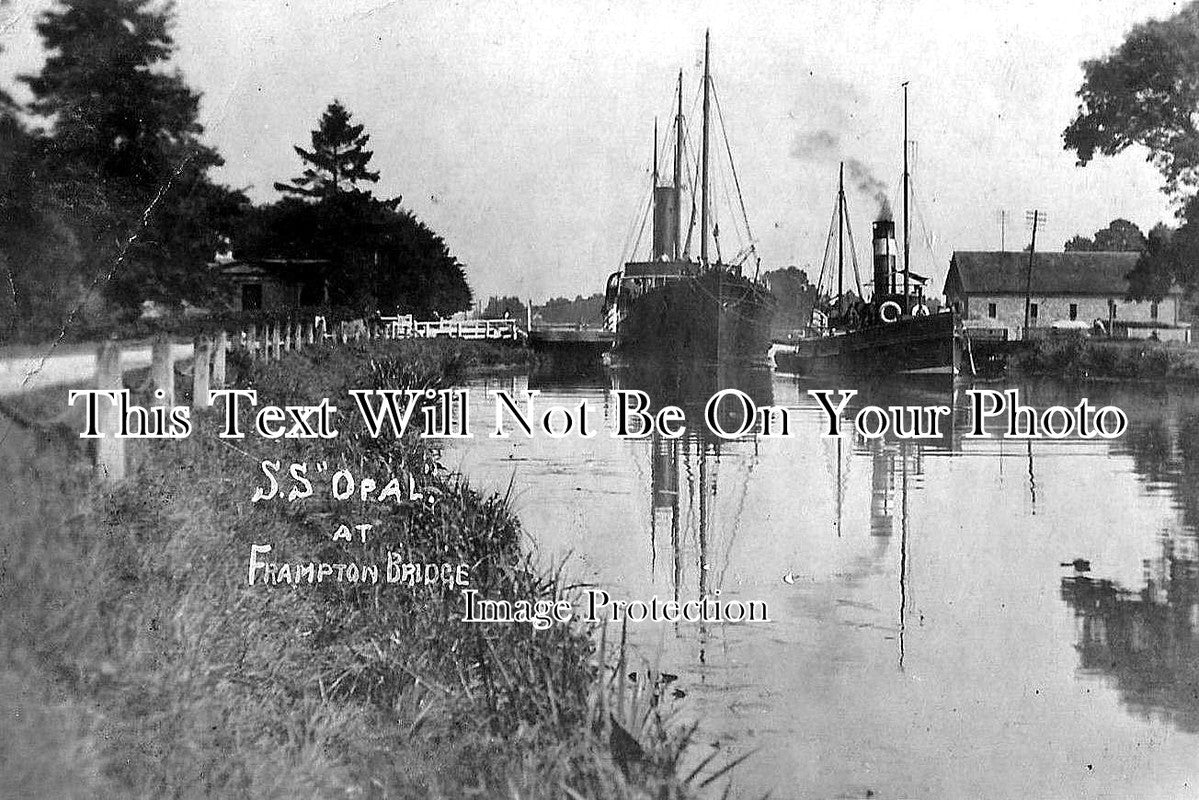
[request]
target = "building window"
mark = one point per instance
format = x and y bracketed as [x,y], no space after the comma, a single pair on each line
[1073,311]
[1153,311]
[992,312]
[1032,311]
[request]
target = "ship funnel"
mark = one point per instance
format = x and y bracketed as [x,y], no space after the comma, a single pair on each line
[666,226]
[885,250]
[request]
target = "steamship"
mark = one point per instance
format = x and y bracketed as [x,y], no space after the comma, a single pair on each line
[893,332]
[672,308]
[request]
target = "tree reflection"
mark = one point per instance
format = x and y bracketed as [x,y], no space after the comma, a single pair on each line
[1147,641]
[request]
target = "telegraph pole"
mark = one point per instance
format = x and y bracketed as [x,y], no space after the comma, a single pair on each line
[1033,217]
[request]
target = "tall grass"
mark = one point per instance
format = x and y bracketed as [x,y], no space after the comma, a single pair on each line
[138,663]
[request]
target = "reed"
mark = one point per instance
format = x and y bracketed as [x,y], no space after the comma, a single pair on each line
[143,665]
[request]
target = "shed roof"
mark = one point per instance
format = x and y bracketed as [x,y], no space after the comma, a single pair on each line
[1076,272]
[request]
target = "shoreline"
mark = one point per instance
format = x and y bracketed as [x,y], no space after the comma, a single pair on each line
[146,628]
[1080,358]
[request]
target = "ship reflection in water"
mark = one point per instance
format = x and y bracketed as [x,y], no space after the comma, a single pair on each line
[926,640]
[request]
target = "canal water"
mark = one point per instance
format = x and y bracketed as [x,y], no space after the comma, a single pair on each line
[930,636]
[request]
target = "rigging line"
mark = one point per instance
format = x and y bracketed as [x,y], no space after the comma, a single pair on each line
[919,208]
[736,181]
[647,197]
[629,244]
[724,183]
[853,253]
[824,261]
[691,222]
[728,199]
[641,229]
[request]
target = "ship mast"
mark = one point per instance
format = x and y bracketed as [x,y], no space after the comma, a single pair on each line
[678,171]
[703,209]
[840,233]
[655,153]
[907,267]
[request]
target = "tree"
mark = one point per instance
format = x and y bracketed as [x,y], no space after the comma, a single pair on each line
[1155,270]
[377,256]
[1119,236]
[1145,92]
[123,152]
[497,307]
[116,115]
[338,156]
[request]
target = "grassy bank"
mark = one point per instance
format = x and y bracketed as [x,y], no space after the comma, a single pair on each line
[1087,358]
[137,662]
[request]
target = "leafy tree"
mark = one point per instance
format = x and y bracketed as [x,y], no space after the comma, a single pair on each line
[39,253]
[1119,236]
[1145,92]
[338,156]
[497,307]
[580,311]
[1155,270]
[374,255]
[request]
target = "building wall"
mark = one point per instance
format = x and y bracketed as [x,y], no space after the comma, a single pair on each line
[275,295]
[1010,310]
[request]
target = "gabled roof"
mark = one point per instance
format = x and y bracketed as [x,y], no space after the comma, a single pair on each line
[1074,273]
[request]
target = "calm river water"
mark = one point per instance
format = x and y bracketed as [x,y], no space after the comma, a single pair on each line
[926,640]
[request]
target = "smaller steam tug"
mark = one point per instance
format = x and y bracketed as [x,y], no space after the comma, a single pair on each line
[891,333]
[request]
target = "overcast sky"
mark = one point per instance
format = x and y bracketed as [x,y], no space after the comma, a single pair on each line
[522,131]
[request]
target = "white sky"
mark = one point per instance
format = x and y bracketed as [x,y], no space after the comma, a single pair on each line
[522,131]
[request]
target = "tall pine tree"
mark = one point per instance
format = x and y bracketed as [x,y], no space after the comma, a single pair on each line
[337,161]
[123,152]
[116,114]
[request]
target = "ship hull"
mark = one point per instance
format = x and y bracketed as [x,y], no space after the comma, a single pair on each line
[914,345]
[711,317]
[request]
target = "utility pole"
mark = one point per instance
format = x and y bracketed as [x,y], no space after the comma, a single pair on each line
[1034,217]
[1003,230]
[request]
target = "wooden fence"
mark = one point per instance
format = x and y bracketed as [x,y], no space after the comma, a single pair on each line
[208,371]
[208,357]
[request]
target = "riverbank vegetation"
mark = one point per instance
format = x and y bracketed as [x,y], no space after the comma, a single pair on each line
[137,662]
[1087,358]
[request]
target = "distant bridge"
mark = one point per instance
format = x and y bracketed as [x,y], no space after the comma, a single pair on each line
[572,340]
[405,327]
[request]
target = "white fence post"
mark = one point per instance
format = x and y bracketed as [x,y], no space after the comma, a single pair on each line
[220,347]
[110,450]
[201,363]
[162,372]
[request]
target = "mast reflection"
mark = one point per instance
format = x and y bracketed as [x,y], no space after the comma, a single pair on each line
[685,471]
